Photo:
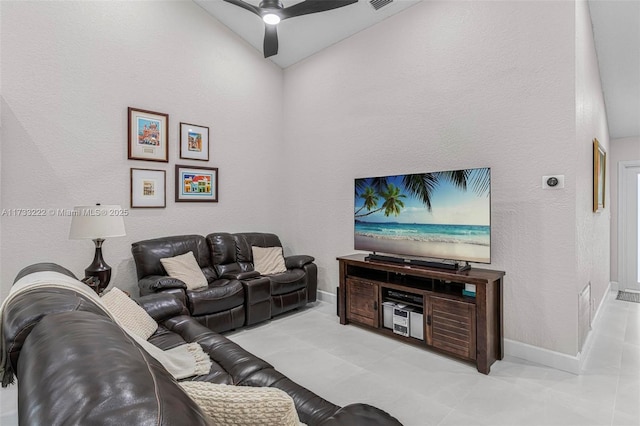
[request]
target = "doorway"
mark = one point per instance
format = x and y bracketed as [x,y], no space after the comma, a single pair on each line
[629,225]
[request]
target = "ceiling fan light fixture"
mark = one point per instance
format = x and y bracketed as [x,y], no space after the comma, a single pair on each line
[271,18]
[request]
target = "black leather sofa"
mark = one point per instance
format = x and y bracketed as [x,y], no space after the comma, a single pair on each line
[221,306]
[232,258]
[236,295]
[74,365]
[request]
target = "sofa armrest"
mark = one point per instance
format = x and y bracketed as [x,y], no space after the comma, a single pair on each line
[161,306]
[360,415]
[154,283]
[241,275]
[297,261]
[42,267]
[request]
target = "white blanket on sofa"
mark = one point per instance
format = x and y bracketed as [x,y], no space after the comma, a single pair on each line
[181,361]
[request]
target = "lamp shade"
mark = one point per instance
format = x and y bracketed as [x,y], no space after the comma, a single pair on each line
[94,222]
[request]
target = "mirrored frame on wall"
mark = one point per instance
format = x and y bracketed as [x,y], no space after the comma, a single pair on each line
[148,137]
[194,142]
[599,176]
[148,188]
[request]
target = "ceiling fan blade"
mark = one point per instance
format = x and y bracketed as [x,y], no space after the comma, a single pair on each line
[270,40]
[244,5]
[313,6]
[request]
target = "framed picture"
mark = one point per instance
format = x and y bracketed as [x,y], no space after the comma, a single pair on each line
[194,142]
[599,175]
[196,184]
[148,135]
[148,188]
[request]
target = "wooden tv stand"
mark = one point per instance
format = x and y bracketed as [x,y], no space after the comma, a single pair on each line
[466,327]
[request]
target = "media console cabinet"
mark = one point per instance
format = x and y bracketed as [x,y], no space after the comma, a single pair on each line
[464,326]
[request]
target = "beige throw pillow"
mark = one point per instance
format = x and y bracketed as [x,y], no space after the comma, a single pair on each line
[129,314]
[229,405]
[268,260]
[185,268]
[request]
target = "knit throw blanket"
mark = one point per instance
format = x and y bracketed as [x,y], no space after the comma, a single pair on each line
[227,405]
[183,361]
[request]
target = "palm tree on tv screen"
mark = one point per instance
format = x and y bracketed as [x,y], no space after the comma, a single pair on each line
[420,185]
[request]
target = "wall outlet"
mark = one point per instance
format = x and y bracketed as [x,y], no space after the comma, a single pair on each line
[553,182]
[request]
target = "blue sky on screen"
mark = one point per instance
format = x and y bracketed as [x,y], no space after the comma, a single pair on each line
[450,206]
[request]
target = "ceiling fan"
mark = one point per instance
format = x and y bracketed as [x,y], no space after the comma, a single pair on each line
[273,11]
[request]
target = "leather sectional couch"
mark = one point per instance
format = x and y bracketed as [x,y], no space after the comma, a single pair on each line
[236,294]
[74,365]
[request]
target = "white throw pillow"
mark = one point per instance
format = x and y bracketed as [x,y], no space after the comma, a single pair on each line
[185,268]
[129,314]
[229,405]
[268,260]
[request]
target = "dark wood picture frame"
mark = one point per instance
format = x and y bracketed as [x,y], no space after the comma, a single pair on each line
[147,192]
[148,135]
[196,184]
[194,142]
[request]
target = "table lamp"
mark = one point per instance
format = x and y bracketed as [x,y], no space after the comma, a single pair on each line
[97,223]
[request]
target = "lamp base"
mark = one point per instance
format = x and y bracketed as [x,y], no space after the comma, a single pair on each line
[99,268]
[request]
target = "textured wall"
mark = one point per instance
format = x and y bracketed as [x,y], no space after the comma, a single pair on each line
[592,229]
[449,85]
[443,85]
[69,72]
[625,149]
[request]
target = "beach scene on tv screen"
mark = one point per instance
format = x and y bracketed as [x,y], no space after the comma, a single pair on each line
[440,215]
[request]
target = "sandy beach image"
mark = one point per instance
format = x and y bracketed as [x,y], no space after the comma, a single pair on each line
[438,250]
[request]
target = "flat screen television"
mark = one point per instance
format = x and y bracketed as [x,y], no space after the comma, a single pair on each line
[443,215]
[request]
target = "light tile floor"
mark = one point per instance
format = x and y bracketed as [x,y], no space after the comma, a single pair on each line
[347,364]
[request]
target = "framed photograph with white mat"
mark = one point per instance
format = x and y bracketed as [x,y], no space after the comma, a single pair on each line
[148,188]
[194,142]
[148,135]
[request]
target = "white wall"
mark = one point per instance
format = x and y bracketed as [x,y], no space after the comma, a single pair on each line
[625,149]
[443,85]
[449,85]
[592,229]
[69,72]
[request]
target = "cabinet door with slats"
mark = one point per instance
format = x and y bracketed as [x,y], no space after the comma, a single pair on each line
[362,301]
[451,326]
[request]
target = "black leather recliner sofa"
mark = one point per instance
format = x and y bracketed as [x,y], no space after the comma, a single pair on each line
[220,306]
[294,288]
[74,365]
[237,295]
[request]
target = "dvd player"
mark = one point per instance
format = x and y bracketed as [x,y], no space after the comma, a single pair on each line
[405,297]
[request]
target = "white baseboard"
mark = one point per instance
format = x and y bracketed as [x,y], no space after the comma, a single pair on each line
[571,363]
[542,356]
[326,296]
[613,286]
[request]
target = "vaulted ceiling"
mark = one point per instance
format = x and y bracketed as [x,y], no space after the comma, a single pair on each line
[616,31]
[616,27]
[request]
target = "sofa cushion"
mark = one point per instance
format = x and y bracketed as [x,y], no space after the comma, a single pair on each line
[268,260]
[287,282]
[185,268]
[246,240]
[166,339]
[147,254]
[220,295]
[128,314]
[243,405]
